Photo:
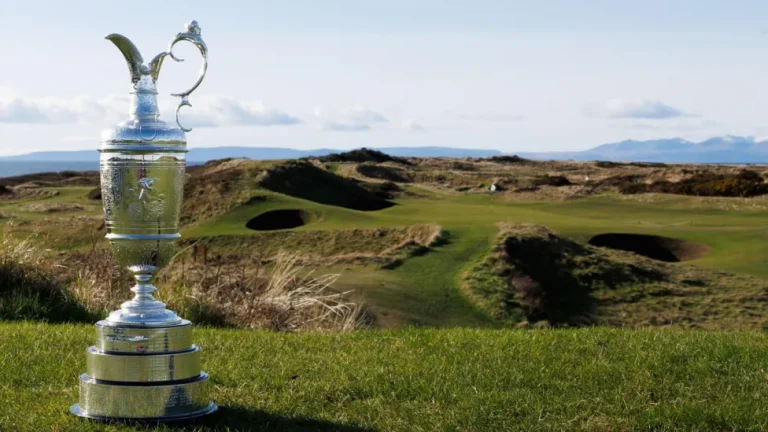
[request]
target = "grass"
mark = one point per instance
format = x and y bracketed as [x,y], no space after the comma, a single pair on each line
[534,276]
[425,290]
[425,380]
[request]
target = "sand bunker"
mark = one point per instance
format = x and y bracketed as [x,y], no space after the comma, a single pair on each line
[655,247]
[279,219]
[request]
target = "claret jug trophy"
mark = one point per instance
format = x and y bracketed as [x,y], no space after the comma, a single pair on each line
[144,365]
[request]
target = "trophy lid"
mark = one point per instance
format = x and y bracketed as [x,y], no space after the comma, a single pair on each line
[144,131]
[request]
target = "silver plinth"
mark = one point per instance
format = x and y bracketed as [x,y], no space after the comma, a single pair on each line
[144,365]
[141,373]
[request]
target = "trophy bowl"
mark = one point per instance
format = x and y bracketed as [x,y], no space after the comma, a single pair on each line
[142,193]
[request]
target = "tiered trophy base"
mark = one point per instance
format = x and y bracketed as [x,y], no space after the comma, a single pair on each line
[143,373]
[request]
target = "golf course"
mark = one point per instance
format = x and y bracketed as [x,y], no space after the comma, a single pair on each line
[467,294]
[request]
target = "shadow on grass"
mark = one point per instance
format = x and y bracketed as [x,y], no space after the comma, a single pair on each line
[234,418]
[28,293]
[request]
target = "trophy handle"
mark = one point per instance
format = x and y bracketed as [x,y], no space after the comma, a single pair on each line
[194,36]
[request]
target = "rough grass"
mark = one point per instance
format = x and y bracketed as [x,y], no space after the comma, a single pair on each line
[378,246]
[304,180]
[86,285]
[425,380]
[745,183]
[29,288]
[532,275]
[425,289]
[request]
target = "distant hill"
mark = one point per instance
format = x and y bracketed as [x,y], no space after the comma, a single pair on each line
[205,154]
[725,149]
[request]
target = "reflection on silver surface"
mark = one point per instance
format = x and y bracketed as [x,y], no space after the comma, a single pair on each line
[143,368]
[148,340]
[111,400]
[143,365]
[142,180]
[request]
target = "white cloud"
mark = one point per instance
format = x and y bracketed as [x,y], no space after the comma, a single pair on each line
[81,109]
[355,118]
[413,126]
[636,109]
[211,111]
[682,125]
[207,111]
[492,117]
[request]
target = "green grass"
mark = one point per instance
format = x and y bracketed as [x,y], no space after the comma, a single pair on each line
[425,290]
[425,380]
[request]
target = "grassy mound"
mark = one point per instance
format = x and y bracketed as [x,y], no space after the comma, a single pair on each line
[655,247]
[384,173]
[385,190]
[533,275]
[220,186]
[304,180]
[94,194]
[54,179]
[362,155]
[378,246]
[595,380]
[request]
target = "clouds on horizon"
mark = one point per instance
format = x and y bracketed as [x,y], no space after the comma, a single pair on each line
[646,109]
[216,111]
[492,117]
[77,110]
[412,126]
[207,111]
[353,119]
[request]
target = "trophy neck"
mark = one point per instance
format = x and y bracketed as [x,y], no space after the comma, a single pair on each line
[144,107]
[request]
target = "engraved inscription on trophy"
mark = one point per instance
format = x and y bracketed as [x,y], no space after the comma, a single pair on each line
[147,205]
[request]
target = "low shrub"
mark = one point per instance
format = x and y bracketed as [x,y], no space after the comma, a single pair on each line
[548,180]
[745,183]
[362,155]
[513,159]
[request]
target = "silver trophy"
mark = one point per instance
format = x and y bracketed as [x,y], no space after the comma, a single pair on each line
[144,365]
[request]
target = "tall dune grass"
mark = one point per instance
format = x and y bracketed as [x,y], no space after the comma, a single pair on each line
[86,285]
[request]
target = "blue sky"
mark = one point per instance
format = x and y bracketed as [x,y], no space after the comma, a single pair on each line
[507,75]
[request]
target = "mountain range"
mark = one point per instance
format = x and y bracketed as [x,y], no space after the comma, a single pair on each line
[724,149]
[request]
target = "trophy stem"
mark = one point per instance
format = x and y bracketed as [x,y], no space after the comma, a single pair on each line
[144,309]
[143,290]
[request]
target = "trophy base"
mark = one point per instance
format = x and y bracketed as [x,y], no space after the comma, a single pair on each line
[146,374]
[210,409]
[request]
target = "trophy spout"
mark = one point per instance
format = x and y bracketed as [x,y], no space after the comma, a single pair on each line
[143,77]
[132,56]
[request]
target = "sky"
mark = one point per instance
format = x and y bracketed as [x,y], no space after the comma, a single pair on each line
[514,76]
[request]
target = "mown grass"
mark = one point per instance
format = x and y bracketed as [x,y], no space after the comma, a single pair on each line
[425,380]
